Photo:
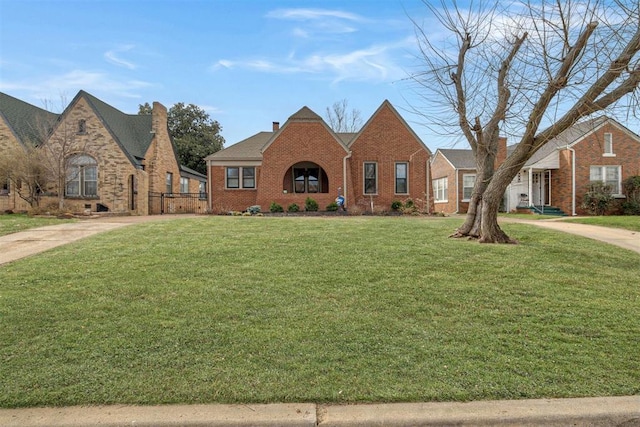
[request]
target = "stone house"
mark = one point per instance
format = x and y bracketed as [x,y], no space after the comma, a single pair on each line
[384,162]
[555,179]
[112,161]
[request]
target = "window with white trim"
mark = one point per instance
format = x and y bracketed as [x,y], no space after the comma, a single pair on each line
[402,173]
[609,175]
[440,189]
[468,182]
[184,184]
[370,178]
[82,176]
[608,145]
[240,177]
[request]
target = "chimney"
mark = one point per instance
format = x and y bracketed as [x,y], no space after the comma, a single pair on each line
[276,126]
[159,117]
[501,155]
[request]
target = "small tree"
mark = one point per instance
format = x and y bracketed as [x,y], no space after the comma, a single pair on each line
[631,187]
[340,119]
[598,200]
[24,169]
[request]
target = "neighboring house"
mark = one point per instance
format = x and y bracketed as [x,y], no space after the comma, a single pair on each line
[114,161]
[384,162]
[560,172]
[453,173]
[555,178]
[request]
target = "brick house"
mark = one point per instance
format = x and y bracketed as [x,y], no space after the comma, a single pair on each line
[555,178]
[384,162]
[560,172]
[453,173]
[114,161]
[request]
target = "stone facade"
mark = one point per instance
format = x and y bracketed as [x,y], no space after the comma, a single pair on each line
[305,158]
[133,156]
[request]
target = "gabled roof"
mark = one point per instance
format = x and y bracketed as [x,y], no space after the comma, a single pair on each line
[387,104]
[247,149]
[305,114]
[30,124]
[132,132]
[458,158]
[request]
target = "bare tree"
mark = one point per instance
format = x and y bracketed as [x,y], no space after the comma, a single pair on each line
[23,168]
[518,67]
[340,119]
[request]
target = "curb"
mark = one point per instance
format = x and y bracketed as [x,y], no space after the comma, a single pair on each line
[593,412]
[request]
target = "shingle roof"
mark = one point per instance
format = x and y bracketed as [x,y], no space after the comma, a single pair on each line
[305,113]
[30,124]
[247,149]
[568,137]
[459,158]
[131,131]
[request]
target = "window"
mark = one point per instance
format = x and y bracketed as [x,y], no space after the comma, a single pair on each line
[82,126]
[402,186]
[608,145]
[169,182]
[82,176]
[468,182]
[4,190]
[440,189]
[248,175]
[306,180]
[202,189]
[184,185]
[610,175]
[370,178]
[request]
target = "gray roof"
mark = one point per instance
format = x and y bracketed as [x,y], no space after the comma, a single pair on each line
[305,114]
[30,124]
[131,131]
[247,149]
[459,158]
[569,137]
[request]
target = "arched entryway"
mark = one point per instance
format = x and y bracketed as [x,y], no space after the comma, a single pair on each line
[305,177]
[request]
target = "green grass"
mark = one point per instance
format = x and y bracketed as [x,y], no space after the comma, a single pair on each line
[357,309]
[627,222]
[20,222]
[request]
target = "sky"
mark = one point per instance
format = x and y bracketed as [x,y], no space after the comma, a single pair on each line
[247,63]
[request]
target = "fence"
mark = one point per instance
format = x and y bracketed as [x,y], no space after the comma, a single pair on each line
[177,203]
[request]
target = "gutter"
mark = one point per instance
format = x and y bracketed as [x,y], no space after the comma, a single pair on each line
[573,180]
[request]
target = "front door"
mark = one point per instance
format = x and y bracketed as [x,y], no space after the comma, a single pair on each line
[541,188]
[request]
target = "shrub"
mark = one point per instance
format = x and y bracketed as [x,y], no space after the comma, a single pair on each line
[598,199]
[275,207]
[396,205]
[293,207]
[253,209]
[310,205]
[631,187]
[631,207]
[332,207]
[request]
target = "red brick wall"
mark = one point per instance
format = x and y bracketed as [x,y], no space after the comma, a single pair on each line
[441,168]
[589,152]
[225,200]
[300,141]
[387,140]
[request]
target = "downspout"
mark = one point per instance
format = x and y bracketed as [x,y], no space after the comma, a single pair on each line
[210,185]
[530,185]
[344,176]
[428,193]
[573,180]
[457,194]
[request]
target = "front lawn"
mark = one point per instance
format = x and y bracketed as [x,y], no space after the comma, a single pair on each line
[12,223]
[628,222]
[350,309]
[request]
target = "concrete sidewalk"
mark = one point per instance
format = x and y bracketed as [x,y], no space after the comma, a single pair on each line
[609,411]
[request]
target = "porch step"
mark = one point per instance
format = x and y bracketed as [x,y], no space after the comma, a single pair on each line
[547,210]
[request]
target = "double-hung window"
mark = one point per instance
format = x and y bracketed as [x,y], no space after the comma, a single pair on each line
[241,177]
[402,173]
[609,175]
[169,183]
[608,145]
[440,189]
[468,182]
[370,178]
[82,176]
[184,185]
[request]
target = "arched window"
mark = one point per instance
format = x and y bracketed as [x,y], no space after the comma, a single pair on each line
[82,176]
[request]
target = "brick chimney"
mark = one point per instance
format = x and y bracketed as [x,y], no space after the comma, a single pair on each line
[501,155]
[159,118]
[276,126]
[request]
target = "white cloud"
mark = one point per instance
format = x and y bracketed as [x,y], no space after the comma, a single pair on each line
[313,14]
[113,57]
